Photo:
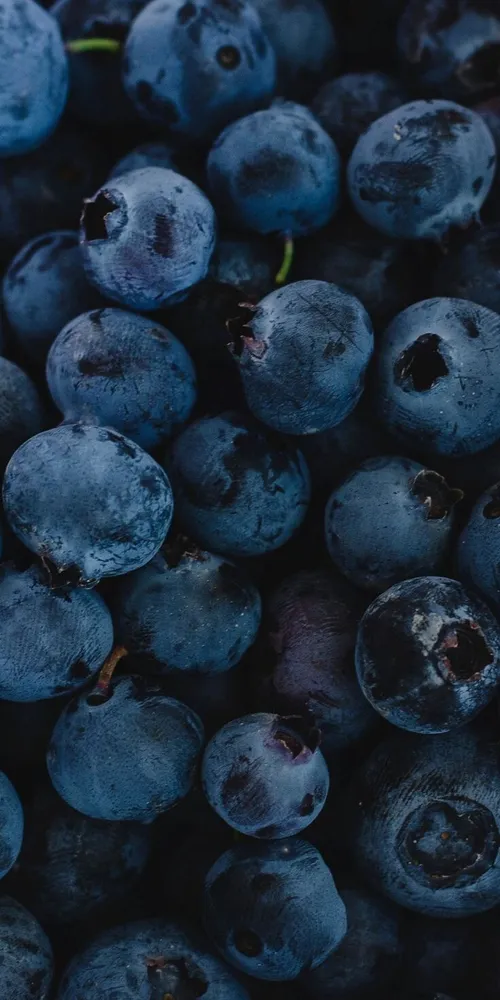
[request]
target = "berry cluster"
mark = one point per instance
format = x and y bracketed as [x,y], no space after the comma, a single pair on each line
[250,521]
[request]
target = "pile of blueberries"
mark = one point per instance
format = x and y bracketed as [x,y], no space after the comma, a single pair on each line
[250,526]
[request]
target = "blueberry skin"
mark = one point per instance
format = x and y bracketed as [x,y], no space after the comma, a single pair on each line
[147,236]
[347,105]
[33,76]
[150,959]
[72,868]
[194,67]
[273,910]
[44,287]
[422,169]
[26,962]
[96,91]
[240,490]
[425,817]
[22,412]
[311,623]
[188,610]
[276,171]
[149,154]
[11,825]
[130,756]
[303,357]
[428,655]
[450,49]
[473,270]
[263,777]
[79,475]
[124,371]
[369,957]
[390,519]
[51,641]
[436,383]
[303,38]
[478,550]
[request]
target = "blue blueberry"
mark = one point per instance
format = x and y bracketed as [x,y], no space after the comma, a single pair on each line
[273,910]
[303,356]
[26,961]
[88,501]
[151,959]
[422,169]
[130,754]
[149,154]
[440,954]
[347,105]
[43,288]
[96,92]
[43,190]
[51,641]
[303,38]
[124,371]
[370,957]
[449,48]
[276,171]
[311,621]
[72,868]
[239,489]
[472,271]
[33,76]
[194,67]
[188,610]
[11,825]
[428,655]
[436,383]
[390,519]
[478,551]
[265,776]
[22,411]
[146,237]
[425,822]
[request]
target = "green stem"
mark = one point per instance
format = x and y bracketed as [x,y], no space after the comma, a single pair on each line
[284,270]
[93,45]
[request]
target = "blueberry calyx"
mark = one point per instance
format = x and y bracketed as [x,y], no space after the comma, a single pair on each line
[462,651]
[247,943]
[296,735]
[432,490]
[95,212]
[178,548]
[448,843]
[421,365]
[491,510]
[172,979]
[240,331]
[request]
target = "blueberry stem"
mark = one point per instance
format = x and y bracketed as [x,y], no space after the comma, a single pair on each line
[284,270]
[93,45]
[107,671]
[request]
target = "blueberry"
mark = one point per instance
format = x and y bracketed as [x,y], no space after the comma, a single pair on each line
[312,618]
[436,382]
[472,271]
[130,754]
[194,67]
[188,610]
[26,961]
[125,371]
[265,775]
[72,868]
[33,76]
[11,825]
[451,48]
[425,822]
[51,641]
[88,501]
[149,154]
[147,236]
[152,958]
[428,655]
[440,954]
[368,959]
[303,37]
[273,910]
[96,90]
[347,105]
[276,171]
[390,519]
[22,412]
[303,356]
[239,489]
[478,552]
[43,288]
[422,169]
